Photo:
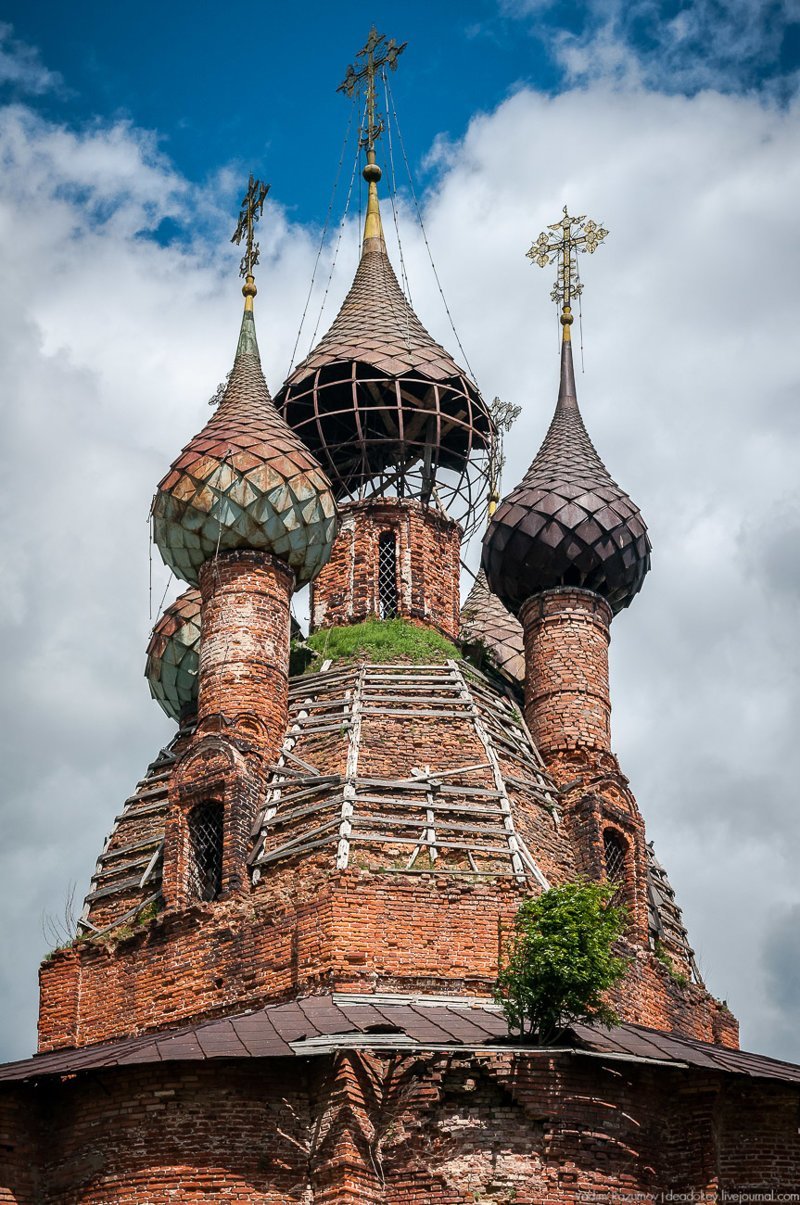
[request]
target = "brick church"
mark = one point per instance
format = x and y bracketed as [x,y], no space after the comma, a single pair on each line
[282,985]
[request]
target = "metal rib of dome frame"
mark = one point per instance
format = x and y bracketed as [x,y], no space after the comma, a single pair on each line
[378,401]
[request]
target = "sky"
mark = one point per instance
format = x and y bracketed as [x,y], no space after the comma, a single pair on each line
[125,139]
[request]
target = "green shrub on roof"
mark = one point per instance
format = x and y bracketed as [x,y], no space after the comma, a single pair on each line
[379,640]
[558,960]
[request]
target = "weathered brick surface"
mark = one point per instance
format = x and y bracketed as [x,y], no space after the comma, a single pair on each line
[567,703]
[244,652]
[306,928]
[242,710]
[19,1170]
[401,1129]
[428,566]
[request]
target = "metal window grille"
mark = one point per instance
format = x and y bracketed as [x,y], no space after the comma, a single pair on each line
[205,851]
[615,851]
[387,575]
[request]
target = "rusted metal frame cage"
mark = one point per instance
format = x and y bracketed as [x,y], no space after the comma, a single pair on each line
[426,439]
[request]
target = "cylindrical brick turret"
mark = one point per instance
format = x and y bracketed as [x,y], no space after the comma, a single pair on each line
[244,653]
[393,558]
[567,701]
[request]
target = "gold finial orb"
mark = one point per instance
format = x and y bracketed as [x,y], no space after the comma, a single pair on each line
[371,173]
[249,287]
[566,316]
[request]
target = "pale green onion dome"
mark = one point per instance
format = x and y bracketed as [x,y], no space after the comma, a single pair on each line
[173,656]
[246,481]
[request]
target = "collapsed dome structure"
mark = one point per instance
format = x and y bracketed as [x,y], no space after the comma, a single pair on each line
[378,401]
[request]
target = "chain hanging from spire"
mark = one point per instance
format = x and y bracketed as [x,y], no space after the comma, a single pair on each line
[573,234]
[251,210]
[376,55]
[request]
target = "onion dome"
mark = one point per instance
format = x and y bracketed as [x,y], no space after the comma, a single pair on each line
[173,656]
[378,395]
[567,523]
[247,480]
[485,621]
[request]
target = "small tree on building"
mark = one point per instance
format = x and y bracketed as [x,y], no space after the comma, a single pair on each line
[558,960]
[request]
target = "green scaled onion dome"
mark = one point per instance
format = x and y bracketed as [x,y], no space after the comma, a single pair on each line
[173,656]
[246,481]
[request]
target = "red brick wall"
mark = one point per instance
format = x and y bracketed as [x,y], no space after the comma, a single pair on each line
[404,1129]
[244,652]
[567,703]
[428,564]
[318,930]
[242,711]
[19,1154]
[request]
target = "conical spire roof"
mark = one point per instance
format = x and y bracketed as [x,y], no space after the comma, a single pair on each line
[245,481]
[377,326]
[567,523]
[378,393]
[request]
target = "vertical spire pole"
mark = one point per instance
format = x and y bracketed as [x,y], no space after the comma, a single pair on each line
[375,56]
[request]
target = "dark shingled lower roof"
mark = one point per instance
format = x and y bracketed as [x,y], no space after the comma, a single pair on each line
[320,1024]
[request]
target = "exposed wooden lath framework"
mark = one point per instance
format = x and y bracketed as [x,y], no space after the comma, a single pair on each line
[449,818]
[664,914]
[459,819]
[129,868]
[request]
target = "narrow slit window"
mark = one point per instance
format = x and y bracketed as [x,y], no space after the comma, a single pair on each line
[387,575]
[615,853]
[205,851]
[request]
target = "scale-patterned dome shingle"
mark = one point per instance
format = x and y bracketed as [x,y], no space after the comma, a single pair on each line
[567,523]
[486,621]
[246,481]
[173,656]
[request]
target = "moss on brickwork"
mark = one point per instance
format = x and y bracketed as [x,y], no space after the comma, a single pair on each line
[380,640]
[663,957]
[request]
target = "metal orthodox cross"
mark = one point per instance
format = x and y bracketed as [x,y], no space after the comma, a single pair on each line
[572,235]
[252,208]
[375,56]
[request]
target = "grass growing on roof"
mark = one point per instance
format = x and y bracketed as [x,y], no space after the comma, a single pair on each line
[381,640]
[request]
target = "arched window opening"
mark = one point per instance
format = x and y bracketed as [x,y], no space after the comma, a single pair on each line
[615,855]
[205,851]
[387,575]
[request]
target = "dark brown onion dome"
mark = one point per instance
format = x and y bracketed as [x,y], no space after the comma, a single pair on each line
[246,481]
[378,395]
[567,523]
[173,656]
